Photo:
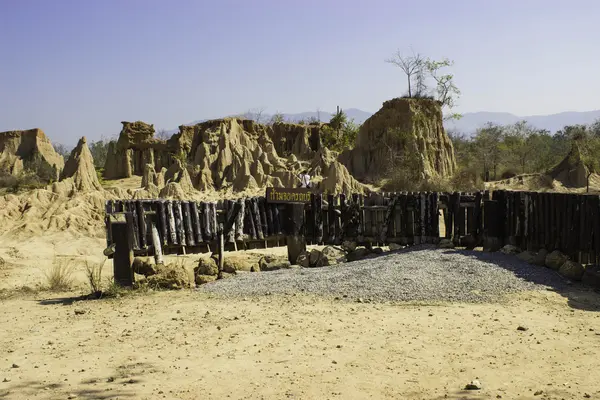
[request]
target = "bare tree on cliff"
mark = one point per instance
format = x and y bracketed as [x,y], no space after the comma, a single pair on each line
[419,70]
[162,134]
[412,66]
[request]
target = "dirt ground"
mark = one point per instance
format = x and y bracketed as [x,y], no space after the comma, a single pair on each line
[188,345]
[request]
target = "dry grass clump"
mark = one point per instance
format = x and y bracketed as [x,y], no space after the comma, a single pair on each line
[93,272]
[60,275]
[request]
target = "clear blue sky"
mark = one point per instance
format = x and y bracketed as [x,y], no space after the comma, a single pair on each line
[79,67]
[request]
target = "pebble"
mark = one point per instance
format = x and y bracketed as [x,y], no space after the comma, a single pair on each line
[473,385]
[522,328]
[421,274]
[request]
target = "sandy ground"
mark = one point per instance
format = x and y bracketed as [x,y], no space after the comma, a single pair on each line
[188,345]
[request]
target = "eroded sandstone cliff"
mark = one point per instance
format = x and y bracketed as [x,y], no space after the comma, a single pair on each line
[402,129]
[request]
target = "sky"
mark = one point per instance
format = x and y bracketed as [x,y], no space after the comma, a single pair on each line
[79,67]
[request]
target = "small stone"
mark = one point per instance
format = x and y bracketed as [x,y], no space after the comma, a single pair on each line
[473,385]
[334,362]
[79,312]
[15,366]
[587,395]
[360,300]
[6,380]
[395,247]
[522,328]
[539,392]
[111,379]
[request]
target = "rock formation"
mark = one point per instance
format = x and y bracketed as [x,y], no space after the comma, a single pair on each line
[303,141]
[571,171]
[336,178]
[236,153]
[30,149]
[137,147]
[79,173]
[402,126]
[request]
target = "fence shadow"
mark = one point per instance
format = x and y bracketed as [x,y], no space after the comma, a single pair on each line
[578,295]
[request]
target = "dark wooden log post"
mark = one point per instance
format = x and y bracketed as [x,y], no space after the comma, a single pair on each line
[435,216]
[256,216]
[196,221]
[220,249]
[230,214]
[277,224]
[249,221]
[187,223]
[388,219]
[239,221]
[172,226]
[141,223]
[343,217]
[260,201]
[123,256]
[269,213]
[456,217]
[156,245]
[295,239]
[318,208]
[491,225]
[207,234]
[162,218]
[177,209]
[331,219]
[109,209]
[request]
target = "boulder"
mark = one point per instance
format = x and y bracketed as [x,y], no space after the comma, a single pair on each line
[348,246]
[376,250]
[358,254]
[316,259]
[171,276]
[510,249]
[446,244]
[202,279]
[395,247]
[591,276]
[555,260]
[572,270]
[144,266]
[206,266]
[270,263]
[527,256]
[332,256]
[540,257]
[304,259]
[234,264]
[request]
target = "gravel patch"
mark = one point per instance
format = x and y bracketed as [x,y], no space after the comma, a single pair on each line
[418,273]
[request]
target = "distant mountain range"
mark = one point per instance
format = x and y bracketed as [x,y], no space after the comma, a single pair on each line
[468,124]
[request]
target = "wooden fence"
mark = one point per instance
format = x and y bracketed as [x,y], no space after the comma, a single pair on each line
[554,221]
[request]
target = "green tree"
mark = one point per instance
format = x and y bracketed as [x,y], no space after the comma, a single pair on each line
[487,146]
[277,117]
[338,121]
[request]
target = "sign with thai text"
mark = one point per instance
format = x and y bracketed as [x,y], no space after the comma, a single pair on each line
[288,195]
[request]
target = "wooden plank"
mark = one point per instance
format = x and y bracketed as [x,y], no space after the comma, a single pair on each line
[229,233]
[269,213]
[343,216]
